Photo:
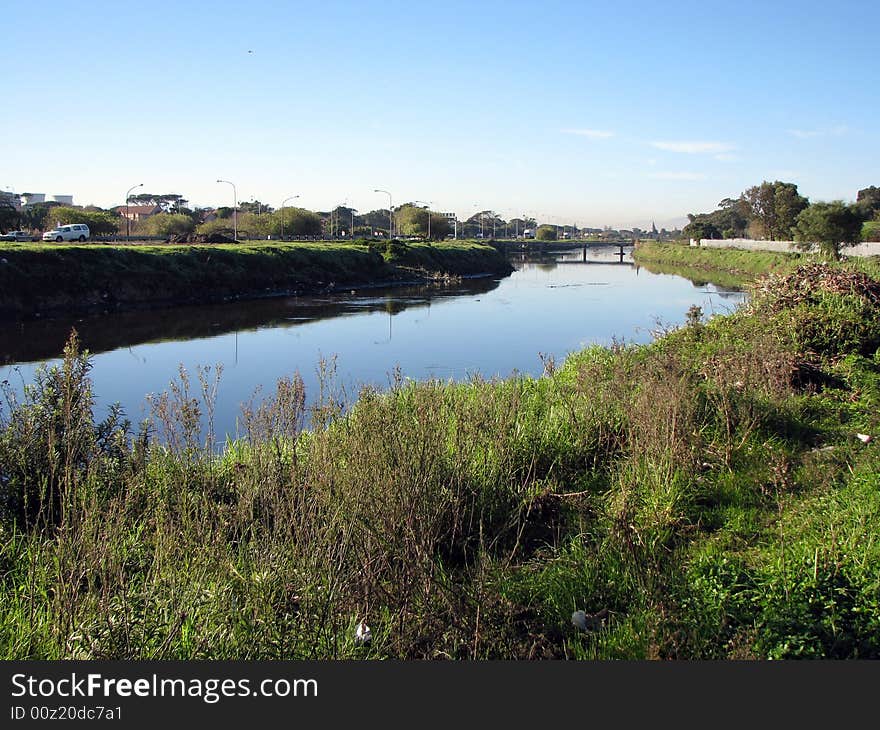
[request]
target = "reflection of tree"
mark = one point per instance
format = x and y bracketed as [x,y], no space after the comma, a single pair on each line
[42,339]
[394,306]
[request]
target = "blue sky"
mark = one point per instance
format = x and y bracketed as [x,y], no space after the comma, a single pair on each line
[597,113]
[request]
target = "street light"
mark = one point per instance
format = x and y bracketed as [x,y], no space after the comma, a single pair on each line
[234,209]
[351,231]
[127,219]
[282,213]
[429,204]
[390,214]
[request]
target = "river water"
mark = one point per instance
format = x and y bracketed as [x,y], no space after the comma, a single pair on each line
[491,327]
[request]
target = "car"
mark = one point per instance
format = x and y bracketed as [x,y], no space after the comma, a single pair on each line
[17,236]
[72,232]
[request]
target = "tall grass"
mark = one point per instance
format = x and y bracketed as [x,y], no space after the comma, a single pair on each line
[697,497]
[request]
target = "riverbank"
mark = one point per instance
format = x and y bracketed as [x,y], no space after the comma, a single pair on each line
[725,267]
[730,267]
[44,279]
[710,495]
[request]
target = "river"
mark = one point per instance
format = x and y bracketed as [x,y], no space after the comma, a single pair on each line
[490,327]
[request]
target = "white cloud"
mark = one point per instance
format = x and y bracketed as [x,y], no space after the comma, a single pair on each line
[726,157]
[694,148]
[677,176]
[591,133]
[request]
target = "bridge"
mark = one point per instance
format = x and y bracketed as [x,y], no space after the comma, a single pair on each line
[531,245]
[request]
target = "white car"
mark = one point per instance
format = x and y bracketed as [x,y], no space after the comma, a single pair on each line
[17,236]
[72,232]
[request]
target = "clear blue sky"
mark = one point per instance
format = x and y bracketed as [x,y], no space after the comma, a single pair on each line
[601,113]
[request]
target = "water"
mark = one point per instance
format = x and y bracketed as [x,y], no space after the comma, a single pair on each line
[490,327]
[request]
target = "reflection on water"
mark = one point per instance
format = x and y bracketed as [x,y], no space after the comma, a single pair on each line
[489,327]
[41,339]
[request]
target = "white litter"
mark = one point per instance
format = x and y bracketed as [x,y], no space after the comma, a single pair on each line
[362,634]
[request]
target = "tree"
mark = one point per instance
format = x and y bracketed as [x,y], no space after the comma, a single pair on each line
[868,199]
[775,207]
[100,222]
[341,218]
[10,218]
[440,227]
[831,225]
[169,224]
[34,216]
[254,206]
[546,233]
[732,217]
[166,201]
[518,225]
[375,219]
[297,222]
[482,222]
[700,226]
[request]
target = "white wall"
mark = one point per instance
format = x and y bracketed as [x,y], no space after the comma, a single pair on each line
[862,249]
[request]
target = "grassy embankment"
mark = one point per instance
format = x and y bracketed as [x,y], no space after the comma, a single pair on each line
[728,267]
[702,496]
[46,278]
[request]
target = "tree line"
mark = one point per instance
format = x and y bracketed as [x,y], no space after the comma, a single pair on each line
[776,211]
[256,219]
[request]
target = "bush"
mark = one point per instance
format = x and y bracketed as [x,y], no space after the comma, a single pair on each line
[546,233]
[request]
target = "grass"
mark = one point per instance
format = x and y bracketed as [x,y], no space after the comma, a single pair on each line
[46,278]
[730,267]
[704,496]
[726,267]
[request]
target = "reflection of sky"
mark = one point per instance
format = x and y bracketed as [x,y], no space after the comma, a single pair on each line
[538,309]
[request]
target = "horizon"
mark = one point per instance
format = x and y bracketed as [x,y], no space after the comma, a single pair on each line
[588,116]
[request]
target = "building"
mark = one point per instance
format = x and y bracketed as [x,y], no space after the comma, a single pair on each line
[10,198]
[63,199]
[135,213]
[31,198]
[452,220]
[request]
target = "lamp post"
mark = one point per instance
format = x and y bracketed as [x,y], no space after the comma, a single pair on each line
[127,219]
[282,213]
[351,230]
[234,208]
[390,214]
[428,203]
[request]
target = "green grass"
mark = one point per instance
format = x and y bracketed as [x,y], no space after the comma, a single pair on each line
[42,278]
[704,496]
[720,266]
[730,267]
